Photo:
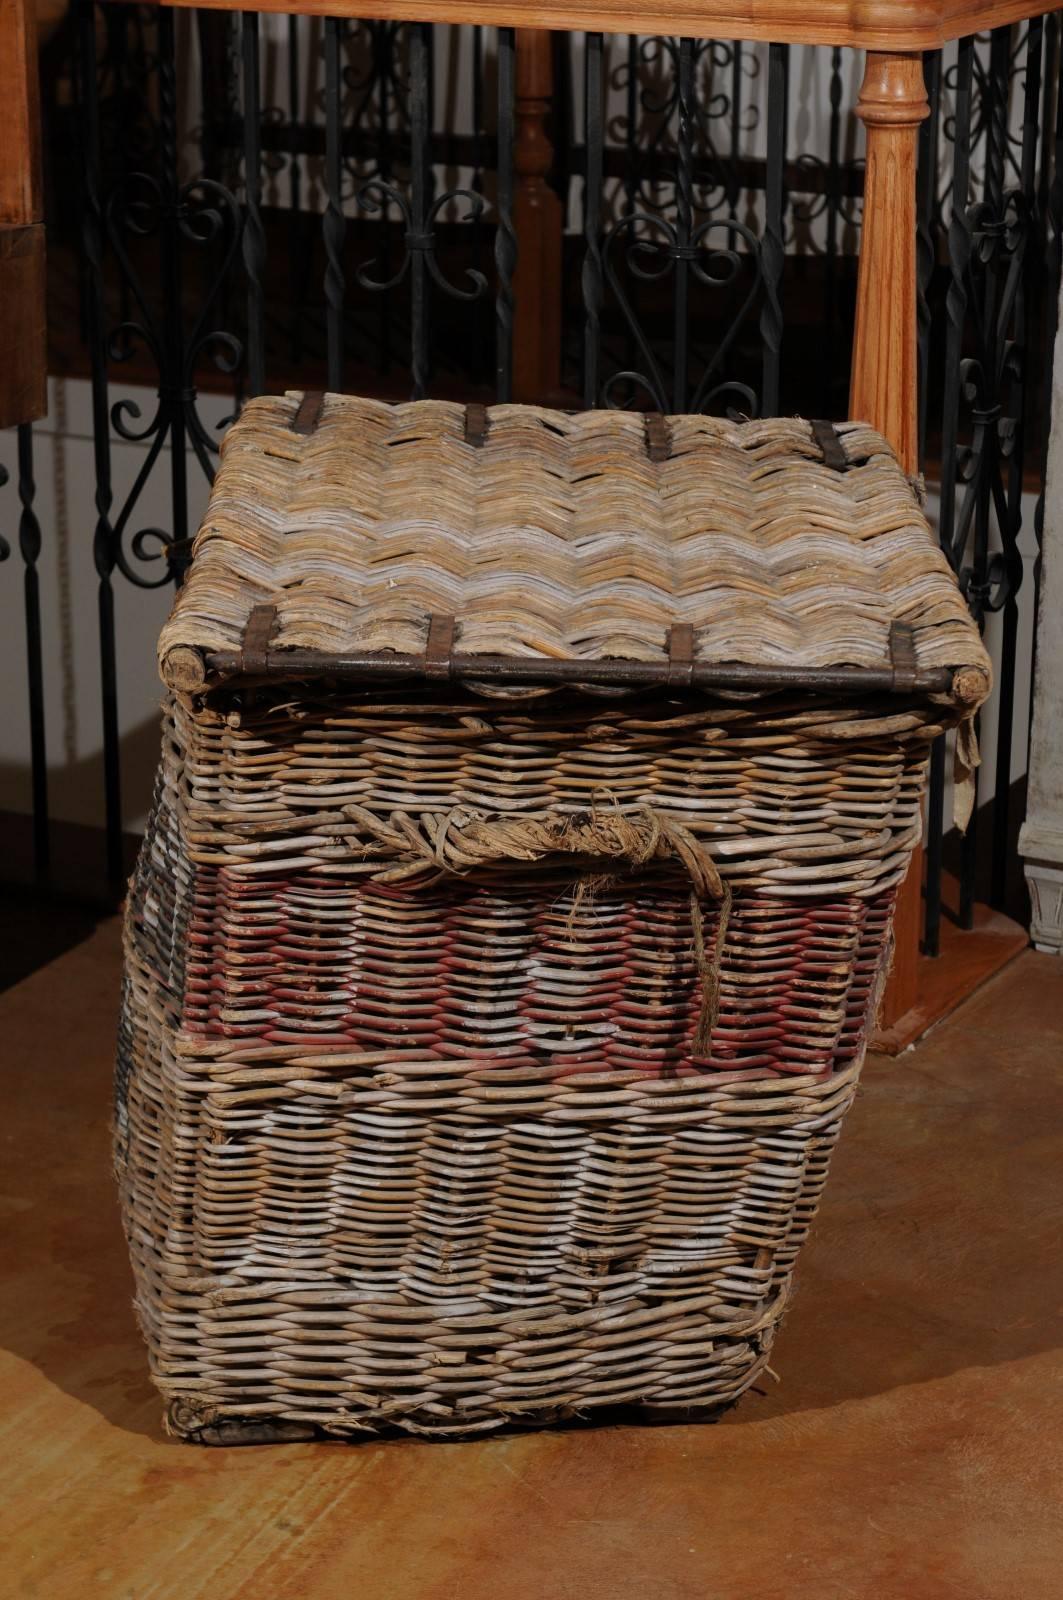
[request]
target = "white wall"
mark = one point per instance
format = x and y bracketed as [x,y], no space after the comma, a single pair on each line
[65,475]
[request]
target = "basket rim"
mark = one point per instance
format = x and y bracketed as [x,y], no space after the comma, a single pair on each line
[290,665]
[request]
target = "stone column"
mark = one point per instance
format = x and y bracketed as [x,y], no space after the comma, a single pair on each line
[1041,839]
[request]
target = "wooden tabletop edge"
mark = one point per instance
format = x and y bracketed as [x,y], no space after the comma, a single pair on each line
[881,25]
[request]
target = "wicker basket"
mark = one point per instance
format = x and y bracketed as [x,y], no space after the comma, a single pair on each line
[534,794]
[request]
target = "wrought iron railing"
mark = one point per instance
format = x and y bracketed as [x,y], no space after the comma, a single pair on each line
[248,208]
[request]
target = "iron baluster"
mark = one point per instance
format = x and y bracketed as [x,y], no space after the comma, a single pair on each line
[103,542]
[832,219]
[295,196]
[1010,362]
[926,253]
[631,175]
[1051,213]
[591,271]
[175,379]
[505,233]
[926,236]
[385,43]
[334,226]
[254,240]
[490,345]
[683,249]
[228,168]
[772,248]
[141,207]
[631,119]
[980,384]
[953,529]
[418,238]
[959,249]
[733,179]
[419,212]
[29,541]
[645,247]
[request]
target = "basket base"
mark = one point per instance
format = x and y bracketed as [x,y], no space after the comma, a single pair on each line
[238,1432]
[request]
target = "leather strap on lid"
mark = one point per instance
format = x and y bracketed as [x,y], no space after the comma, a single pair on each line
[680,655]
[658,436]
[254,647]
[308,411]
[829,440]
[439,646]
[476,424]
[902,657]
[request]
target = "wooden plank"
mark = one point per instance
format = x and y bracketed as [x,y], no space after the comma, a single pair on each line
[22,312]
[911,25]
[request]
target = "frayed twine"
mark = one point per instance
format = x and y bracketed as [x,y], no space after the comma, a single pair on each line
[587,889]
[708,969]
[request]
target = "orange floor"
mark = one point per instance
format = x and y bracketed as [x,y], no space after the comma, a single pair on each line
[912,1448]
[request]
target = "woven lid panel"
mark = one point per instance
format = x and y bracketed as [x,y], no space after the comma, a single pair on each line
[559,536]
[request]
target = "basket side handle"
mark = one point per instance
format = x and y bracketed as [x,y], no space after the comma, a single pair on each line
[434,845]
[463,840]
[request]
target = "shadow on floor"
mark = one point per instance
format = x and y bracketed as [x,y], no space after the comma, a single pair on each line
[936,1248]
[34,932]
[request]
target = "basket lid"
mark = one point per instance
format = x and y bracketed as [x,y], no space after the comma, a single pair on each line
[348,537]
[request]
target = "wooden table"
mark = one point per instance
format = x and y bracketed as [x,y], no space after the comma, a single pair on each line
[892,105]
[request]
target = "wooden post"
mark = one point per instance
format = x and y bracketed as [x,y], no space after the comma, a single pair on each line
[885,373]
[538,222]
[23,394]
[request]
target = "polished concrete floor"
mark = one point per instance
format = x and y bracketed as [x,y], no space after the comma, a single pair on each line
[911,1449]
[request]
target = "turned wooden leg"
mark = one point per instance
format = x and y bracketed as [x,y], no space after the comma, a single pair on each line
[538,223]
[885,356]
[885,351]
[22,326]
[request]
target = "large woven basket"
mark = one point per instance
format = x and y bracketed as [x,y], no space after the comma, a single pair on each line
[534,794]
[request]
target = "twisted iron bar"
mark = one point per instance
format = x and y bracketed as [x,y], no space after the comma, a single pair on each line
[772,248]
[926,238]
[591,271]
[103,540]
[1051,210]
[683,246]
[30,545]
[254,234]
[505,251]
[5,546]
[334,224]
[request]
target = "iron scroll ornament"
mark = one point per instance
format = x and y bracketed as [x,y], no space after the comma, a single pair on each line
[419,238]
[200,213]
[651,259]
